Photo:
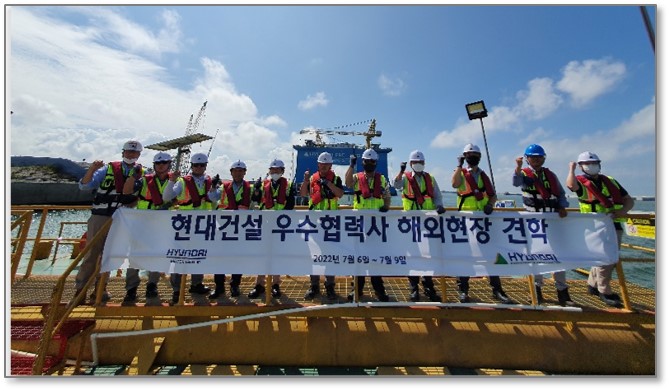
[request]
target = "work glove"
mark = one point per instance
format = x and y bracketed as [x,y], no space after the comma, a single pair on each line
[137,171]
[352,161]
[488,209]
[384,208]
[403,166]
[441,210]
[460,159]
[215,181]
[323,181]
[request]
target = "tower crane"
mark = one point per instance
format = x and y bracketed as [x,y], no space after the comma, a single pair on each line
[183,144]
[182,162]
[369,134]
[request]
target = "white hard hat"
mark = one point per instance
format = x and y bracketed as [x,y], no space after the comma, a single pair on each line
[199,158]
[276,164]
[588,157]
[325,157]
[370,154]
[162,157]
[471,148]
[132,145]
[416,156]
[238,164]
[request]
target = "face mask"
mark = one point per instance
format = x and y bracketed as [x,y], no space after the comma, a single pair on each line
[417,167]
[369,167]
[473,160]
[129,161]
[591,169]
[275,177]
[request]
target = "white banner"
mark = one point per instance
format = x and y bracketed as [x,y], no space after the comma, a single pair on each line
[348,242]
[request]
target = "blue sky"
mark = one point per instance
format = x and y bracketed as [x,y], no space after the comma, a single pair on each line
[82,80]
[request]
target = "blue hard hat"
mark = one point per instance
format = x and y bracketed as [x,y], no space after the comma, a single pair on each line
[534,150]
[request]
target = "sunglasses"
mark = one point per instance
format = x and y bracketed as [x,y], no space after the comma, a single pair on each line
[162,162]
[199,164]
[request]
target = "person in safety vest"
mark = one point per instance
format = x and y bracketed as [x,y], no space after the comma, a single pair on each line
[474,192]
[151,194]
[232,195]
[600,193]
[274,193]
[191,192]
[420,191]
[371,191]
[324,189]
[107,181]
[542,192]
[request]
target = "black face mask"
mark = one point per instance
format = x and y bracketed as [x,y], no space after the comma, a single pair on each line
[473,160]
[369,167]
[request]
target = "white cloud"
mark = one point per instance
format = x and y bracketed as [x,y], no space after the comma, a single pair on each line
[77,93]
[391,86]
[585,81]
[539,100]
[110,26]
[312,101]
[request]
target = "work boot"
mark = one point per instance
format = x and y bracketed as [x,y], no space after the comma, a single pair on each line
[500,295]
[382,296]
[612,300]
[218,291]
[350,296]
[152,290]
[257,291]
[414,295]
[330,292]
[463,297]
[235,291]
[312,292]
[564,298]
[538,293]
[131,296]
[276,292]
[200,289]
[105,297]
[432,295]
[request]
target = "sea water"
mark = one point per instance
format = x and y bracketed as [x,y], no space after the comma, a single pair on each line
[640,273]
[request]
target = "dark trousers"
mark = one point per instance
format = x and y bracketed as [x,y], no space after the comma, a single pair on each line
[427,282]
[377,284]
[463,283]
[220,280]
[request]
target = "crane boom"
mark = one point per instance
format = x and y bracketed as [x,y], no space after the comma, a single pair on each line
[369,134]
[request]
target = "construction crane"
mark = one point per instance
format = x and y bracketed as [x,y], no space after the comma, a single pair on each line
[183,144]
[183,160]
[369,134]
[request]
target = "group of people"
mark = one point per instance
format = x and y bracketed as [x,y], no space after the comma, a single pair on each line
[126,183]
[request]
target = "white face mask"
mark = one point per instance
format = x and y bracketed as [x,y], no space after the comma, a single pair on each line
[275,177]
[129,161]
[591,169]
[417,167]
